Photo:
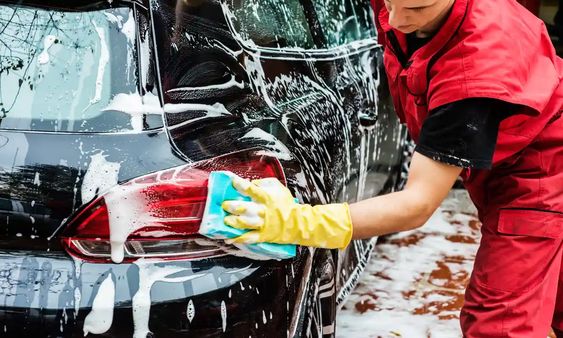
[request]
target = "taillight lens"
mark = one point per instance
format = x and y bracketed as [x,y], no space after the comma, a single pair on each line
[158,215]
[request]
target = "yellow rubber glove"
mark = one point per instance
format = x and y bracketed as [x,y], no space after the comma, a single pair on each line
[274,217]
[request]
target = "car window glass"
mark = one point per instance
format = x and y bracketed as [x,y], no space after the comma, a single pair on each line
[345,21]
[69,71]
[271,23]
[288,24]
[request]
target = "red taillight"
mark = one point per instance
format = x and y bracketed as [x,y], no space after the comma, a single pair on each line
[158,215]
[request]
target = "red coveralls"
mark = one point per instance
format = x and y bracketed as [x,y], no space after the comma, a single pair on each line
[498,49]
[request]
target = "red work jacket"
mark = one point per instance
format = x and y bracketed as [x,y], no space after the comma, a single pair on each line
[492,49]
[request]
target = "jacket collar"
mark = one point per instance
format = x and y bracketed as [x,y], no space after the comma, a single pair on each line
[422,57]
[418,64]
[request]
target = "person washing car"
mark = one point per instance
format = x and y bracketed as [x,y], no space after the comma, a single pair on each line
[479,86]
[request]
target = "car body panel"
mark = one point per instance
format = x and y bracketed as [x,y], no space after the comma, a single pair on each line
[52,293]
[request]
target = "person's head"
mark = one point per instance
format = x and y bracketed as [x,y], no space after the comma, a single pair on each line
[421,16]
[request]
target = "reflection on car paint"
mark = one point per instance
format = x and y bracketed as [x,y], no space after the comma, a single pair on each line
[275,145]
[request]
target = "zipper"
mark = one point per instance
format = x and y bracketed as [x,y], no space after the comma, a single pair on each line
[397,50]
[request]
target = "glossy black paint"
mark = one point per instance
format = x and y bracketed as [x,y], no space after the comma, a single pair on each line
[318,109]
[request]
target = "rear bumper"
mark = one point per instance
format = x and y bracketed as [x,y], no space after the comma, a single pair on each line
[50,295]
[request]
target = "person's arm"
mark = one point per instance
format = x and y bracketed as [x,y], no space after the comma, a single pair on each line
[458,135]
[428,184]
[273,216]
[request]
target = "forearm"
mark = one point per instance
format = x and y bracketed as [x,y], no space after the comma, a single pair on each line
[428,184]
[394,212]
[273,216]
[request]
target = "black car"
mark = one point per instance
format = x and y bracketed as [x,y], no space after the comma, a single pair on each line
[113,113]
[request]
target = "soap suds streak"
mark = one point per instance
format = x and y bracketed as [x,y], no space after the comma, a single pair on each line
[223,316]
[100,176]
[136,106]
[44,57]
[150,273]
[100,318]
[102,63]
[127,213]
[190,310]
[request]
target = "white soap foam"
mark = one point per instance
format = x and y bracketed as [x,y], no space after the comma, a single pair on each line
[126,213]
[217,109]
[223,316]
[136,106]
[149,273]
[190,311]
[99,320]
[102,63]
[229,84]
[100,176]
[405,269]
[47,43]
[278,147]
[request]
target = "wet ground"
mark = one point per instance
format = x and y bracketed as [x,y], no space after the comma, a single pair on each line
[413,286]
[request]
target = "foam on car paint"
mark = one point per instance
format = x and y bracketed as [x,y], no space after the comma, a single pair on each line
[126,213]
[215,110]
[190,311]
[136,106]
[150,273]
[36,180]
[223,316]
[99,320]
[77,291]
[100,176]
[229,84]
[281,151]
[360,249]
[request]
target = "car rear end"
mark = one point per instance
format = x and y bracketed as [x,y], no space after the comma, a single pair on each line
[90,179]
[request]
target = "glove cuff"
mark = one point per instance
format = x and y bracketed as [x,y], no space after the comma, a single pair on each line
[338,224]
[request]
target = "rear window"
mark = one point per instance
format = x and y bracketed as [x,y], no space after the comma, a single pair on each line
[70,71]
[296,23]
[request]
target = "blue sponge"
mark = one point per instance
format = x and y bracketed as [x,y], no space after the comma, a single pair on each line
[220,188]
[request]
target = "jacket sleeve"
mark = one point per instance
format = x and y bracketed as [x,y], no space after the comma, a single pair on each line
[377,5]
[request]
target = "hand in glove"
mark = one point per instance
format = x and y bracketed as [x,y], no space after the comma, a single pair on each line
[274,217]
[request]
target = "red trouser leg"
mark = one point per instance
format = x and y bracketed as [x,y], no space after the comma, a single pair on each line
[513,287]
[557,322]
